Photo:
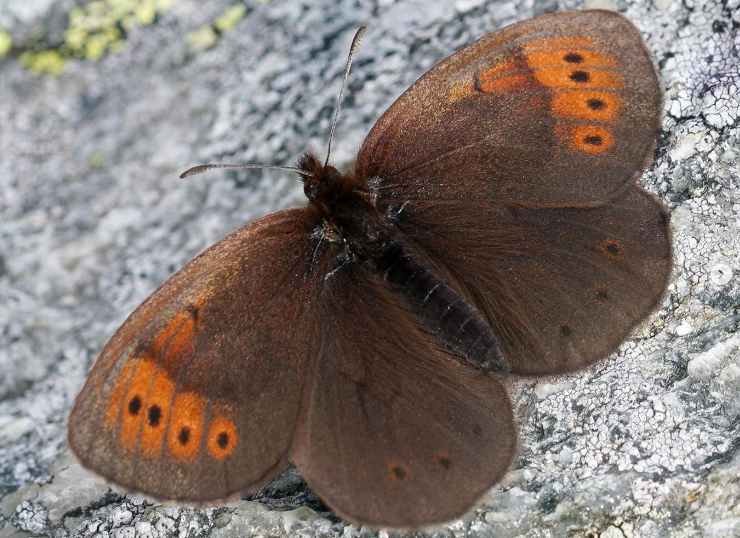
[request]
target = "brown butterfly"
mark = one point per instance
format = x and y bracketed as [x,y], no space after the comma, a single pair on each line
[492,225]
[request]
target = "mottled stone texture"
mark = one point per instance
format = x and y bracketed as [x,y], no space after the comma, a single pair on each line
[94,218]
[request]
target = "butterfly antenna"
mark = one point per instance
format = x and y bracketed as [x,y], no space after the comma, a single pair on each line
[206,167]
[352,48]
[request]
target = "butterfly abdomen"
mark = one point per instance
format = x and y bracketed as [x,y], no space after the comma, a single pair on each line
[441,309]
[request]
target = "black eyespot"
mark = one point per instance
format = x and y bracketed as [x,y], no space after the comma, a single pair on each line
[223,440]
[612,248]
[596,104]
[565,330]
[477,430]
[602,295]
[444,462]
[184,436]
[399,472]
[134,406]
[593,140]
[579,76]
[154,416]
[573,58]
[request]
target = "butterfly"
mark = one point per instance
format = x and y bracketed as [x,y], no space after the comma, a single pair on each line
[492,227]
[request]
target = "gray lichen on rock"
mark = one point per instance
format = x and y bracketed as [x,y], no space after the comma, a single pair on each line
[645,444]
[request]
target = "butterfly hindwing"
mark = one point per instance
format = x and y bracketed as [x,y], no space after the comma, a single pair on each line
[396,432]
[561,287]
[197,395]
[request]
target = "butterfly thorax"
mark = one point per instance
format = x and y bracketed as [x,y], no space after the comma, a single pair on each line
[370,238]
[345,207]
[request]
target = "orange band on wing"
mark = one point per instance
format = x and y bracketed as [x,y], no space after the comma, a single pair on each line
[499,69]
[502,77]
[566,77]
[574,57]
[591,139]
[503,84]
[599,106]
[186,426]
[157,410]
[115,402]
[133,403]
[222,437]
[175,341]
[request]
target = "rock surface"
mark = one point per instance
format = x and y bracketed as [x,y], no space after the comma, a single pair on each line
[93,218]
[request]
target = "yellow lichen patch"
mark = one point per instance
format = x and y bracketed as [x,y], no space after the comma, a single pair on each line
[599,106]
[6,43]
[186,425]
[93,31]
[591,139]
[203,38]
[45,62]
[145,12]
[207,36]
[577,78]
[569,57]
[96,160]
[157,410]
[97,45]
[115,400]
[134,403]
[222,437]
[230,17]
[94,28]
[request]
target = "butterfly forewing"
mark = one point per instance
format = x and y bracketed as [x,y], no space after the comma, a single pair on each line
[560,110]
[197,395]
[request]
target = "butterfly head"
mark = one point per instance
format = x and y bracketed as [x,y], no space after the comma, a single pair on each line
[323,185]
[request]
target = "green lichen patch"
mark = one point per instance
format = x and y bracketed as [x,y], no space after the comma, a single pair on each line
[94,30]
[208,35]
[45,62]
[203,38]
[230,17]
[98,27]
[6,43]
